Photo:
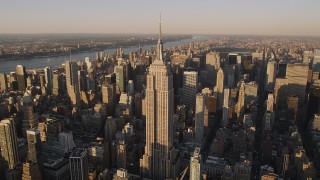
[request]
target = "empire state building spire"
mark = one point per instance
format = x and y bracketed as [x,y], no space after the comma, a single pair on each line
[160,29]
[160,156]
[160,44]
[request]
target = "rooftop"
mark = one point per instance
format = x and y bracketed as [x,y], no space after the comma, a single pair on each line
[79,152]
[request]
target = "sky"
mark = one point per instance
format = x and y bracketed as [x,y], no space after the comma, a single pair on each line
[250,17]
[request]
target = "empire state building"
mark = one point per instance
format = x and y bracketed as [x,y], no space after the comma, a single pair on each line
[160,158]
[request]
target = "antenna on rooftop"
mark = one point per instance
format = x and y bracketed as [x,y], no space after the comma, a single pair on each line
[70,55]
[160,28]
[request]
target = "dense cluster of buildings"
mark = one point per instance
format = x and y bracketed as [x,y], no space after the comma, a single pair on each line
[28,46]
[194,111]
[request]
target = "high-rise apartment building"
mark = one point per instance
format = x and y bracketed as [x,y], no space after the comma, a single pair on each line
[190,82]
[8,144]
[79,164]
[158,161]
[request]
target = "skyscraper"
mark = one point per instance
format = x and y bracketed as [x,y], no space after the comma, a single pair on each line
[79,164]
[280,93]
[120,72]
[158,159]
[30,171]
[212,64]
[21,77]
[314,100]
[316,60]
[292,109]
[110,128]
[72,82]
[190,82]
[225,109]
[297,75]
[42,83]
[71,74]
[213,59]
[130,87]
[109,96]
[229,75]
[240,103]
[195,165]
[284,161]
[29,119]
[57,86]
[220,86]
[8,144]
[82,80]
[34,145]
[121,155]
[48,77]
[270,103]
[3,82]
[250,92]
[271,75]
[199,117]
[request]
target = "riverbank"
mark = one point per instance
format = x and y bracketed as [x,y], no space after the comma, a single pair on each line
[89,50]
[37,63]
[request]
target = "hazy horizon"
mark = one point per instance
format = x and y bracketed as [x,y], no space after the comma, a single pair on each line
[153,34]
[207,17]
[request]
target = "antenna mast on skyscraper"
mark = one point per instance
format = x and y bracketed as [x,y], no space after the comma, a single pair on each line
[160,28]
[160,45]
[70,55]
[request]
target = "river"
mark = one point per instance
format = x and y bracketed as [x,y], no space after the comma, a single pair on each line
[41,62]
